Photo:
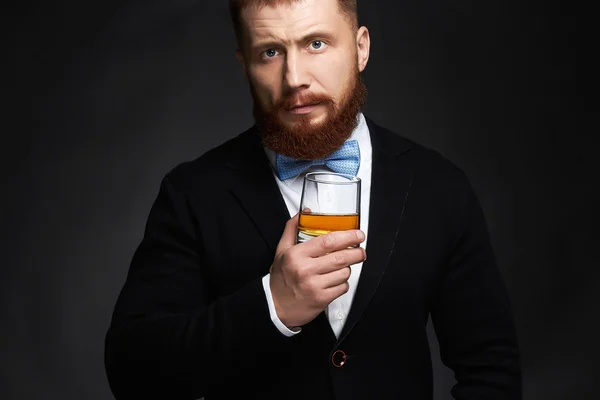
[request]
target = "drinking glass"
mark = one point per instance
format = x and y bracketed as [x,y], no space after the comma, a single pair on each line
[330,202]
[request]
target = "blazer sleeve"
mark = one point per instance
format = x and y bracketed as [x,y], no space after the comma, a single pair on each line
[472,313]
[169,338]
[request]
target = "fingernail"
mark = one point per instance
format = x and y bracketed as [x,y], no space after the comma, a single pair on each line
[360,235]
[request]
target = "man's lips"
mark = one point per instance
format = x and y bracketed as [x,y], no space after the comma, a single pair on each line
[302,108]
[314,103]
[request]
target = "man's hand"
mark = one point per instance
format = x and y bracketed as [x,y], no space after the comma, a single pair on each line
[306,277]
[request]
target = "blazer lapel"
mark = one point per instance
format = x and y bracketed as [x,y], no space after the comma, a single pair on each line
[390,186]
[258,194]
[256,189]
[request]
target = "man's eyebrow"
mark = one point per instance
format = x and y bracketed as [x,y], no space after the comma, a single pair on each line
[270,40]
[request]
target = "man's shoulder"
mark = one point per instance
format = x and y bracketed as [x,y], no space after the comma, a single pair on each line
[433,175]
[421,157]
[215,161]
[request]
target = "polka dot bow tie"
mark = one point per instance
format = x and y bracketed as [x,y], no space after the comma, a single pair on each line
[345,160]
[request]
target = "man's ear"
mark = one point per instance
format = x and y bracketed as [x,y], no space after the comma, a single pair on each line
[240,57]
[363,47]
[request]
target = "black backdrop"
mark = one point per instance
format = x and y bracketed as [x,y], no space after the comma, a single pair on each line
[108,96]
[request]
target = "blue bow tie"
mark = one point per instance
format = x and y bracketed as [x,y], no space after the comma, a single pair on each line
[345,160]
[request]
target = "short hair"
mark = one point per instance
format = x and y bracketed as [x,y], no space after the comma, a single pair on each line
[347,7]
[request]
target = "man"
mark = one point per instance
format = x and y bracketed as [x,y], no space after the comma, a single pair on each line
[221,303]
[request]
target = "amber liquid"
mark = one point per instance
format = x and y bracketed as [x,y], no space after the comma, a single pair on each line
[313,225]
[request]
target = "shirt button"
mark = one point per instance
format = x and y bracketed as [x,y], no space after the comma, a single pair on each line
[340,315]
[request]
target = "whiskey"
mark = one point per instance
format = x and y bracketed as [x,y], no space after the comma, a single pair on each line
[313,225]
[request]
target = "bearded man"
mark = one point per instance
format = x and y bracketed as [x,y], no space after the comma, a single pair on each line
[220,302]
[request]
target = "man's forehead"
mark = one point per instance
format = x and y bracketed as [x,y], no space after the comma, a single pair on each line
[295,16]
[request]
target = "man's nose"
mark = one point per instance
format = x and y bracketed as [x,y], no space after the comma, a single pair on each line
[296,74]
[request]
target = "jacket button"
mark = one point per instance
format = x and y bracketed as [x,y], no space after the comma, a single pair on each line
[338,359]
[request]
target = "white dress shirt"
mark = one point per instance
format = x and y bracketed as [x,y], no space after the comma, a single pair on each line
[291,190]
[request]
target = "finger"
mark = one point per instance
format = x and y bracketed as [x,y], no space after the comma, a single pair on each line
[331,242]
[336,278]
[339,259]
[336,291]
[288,237]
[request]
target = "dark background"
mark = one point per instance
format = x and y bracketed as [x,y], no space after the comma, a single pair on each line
[103,98]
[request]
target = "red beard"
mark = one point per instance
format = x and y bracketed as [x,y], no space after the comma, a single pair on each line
[306,141]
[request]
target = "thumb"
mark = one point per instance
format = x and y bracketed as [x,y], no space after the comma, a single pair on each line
[288,238]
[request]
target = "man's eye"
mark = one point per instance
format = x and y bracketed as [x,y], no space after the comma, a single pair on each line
[317,45]
[270,53]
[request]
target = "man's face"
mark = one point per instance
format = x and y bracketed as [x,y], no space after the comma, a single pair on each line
[303,63]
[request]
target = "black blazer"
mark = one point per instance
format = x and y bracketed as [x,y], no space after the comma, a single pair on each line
[192,320]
